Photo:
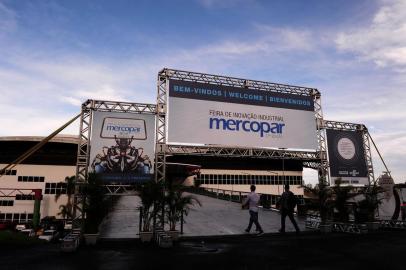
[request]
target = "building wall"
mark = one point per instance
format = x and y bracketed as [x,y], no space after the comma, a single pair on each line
[267,182]
[50,173]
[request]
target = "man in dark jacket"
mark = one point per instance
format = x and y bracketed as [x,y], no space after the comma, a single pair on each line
[287,204]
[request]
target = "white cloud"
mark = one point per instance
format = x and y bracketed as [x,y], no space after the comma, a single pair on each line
[43,93]
[71,100]
[383,41]
[104,92]
[266,41]
[34,120]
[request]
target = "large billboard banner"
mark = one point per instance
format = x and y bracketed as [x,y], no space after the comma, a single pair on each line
[200,113]
[346,156]
[122,147]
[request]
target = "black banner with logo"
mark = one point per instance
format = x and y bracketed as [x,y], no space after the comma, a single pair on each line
[346,155]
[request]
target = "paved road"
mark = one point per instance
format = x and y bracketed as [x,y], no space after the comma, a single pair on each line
[214,217]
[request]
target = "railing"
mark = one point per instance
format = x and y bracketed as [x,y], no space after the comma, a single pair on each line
[140,209]
[349,227]
[266,200]
[314,221]
[71,241]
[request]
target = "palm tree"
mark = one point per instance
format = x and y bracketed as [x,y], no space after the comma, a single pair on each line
[96,204]
[178,204]
[322,199]
[66,209]
[366,208]
[151,194]
[341,195]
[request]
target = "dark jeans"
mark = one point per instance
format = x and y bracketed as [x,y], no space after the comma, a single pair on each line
[254,219]
[285,213]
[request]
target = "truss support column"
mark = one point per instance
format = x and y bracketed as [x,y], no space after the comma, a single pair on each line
[160,146]
[82,164]
[321,139]
[368,155]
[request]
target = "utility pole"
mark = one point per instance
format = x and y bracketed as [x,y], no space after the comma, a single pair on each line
[37,207]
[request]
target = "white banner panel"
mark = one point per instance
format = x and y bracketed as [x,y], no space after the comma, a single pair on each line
[218,115]
[122,147]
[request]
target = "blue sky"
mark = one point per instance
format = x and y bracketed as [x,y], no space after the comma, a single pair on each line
[56,54]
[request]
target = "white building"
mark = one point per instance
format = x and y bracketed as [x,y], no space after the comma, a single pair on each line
[48,167]
[46,170]
[231,175]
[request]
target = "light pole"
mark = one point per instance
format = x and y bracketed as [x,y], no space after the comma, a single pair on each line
[274,173]
[270,186]
[283,167]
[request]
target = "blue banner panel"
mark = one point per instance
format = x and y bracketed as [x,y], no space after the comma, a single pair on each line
[228,94]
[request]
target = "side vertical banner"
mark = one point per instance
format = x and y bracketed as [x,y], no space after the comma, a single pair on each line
[346,156]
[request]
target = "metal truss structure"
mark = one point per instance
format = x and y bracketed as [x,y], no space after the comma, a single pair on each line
[349,228]
[322,164]
[240,152]
[160,129]
[365,137]
[12,192]
[312,159]
[393,224]
[121,190]
[314,221]
[82,166]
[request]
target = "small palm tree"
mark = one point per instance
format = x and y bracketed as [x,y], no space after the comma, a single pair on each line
[178,204]
[341,195]
[96,204]
[66,209]
[322,199]
[151,194]
[366,208]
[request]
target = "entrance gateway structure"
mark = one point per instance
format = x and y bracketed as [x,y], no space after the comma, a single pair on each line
[267,120]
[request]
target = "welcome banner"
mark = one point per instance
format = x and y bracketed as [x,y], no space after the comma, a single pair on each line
[200,113]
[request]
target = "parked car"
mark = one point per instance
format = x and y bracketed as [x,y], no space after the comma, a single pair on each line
[68,225]
[49,235]
[47,222]
[28,232]
[6,225]
[20,227]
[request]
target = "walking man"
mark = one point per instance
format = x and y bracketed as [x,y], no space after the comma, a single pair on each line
[252,202]
[287,204]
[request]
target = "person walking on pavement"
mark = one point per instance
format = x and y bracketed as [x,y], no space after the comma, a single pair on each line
[252,203]
[287,204]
